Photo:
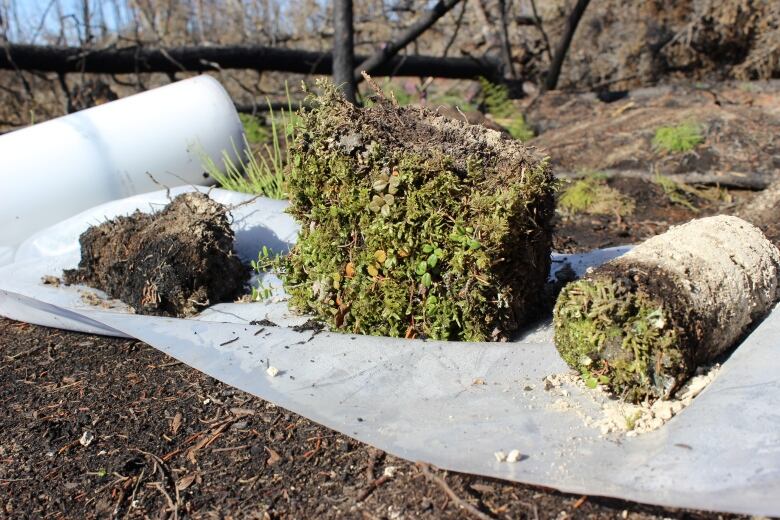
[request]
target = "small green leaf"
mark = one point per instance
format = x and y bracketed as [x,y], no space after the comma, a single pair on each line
[433,260]
[422,268]
[379,185]
[385,210]
[432,300]
[473,244]
[394,184]
[427,248]
[389,200]
[591,382]
[376,204]
[426,280]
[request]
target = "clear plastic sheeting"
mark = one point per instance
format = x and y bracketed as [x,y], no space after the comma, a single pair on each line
[447,403]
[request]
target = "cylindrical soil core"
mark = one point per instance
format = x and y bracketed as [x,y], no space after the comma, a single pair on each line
[643,322]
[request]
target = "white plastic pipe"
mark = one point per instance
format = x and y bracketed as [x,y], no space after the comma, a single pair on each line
[56,169]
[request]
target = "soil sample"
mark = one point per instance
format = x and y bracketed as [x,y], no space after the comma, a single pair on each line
[414,224]
[172,263]
[643,322]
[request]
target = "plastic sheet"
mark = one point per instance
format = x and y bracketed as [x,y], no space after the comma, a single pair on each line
[417,399]
[57,168]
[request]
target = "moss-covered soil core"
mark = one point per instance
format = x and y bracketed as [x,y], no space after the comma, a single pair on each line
[642,323]
[415,225]
[614,330]
[172,263]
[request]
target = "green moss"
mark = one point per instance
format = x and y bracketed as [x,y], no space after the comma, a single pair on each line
[680,138]
[500,106]
[403,235]
[677,192]
[254,130]
[593,196]
[621,337]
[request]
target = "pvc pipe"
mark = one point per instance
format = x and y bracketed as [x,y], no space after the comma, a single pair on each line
[56,169]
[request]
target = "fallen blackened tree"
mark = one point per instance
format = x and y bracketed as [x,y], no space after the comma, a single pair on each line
[642,323]
[132,60]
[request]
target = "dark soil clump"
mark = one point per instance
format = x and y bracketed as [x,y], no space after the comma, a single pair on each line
[172,263]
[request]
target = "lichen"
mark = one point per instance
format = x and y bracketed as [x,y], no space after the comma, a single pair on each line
[618,336]
[413,225]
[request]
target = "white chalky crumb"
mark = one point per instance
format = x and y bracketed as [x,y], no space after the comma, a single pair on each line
[500,456]
[513,456]
[272,371]
[389,471]
[86,438]
[618,417]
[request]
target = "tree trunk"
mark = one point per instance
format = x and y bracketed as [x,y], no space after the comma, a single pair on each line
[551,81]
[344,49]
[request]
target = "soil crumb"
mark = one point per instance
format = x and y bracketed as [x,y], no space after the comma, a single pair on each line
[615,416]
[172,263]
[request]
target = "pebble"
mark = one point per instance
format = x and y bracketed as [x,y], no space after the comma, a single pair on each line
[86,438]
[513,456]
[272,371]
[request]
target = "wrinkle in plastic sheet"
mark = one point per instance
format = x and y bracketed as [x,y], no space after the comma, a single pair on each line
[417,399]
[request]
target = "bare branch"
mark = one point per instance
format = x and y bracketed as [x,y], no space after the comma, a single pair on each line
[373,64]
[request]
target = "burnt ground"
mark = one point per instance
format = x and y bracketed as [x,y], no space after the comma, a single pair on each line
[168,438]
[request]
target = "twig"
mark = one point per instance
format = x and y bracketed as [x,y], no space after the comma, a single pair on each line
[371,83]
[538,23]
[25,353]
[506,46]
[455,31]
[371,487]
[470,509]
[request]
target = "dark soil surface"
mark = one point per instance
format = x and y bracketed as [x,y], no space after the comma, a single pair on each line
[654,212]
[168,441]
[172,263]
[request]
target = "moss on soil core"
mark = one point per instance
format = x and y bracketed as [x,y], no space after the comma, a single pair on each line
[617,335]
[414,225]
